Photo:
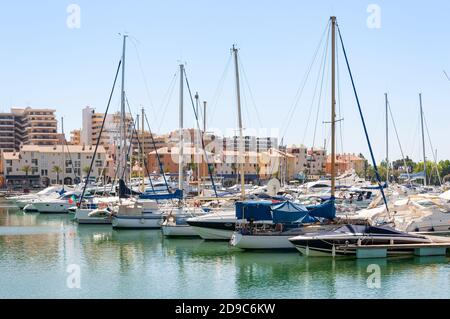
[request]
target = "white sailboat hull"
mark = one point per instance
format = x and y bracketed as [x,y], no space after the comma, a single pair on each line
[137,222]
[178,231]
[82,217]
[212,233]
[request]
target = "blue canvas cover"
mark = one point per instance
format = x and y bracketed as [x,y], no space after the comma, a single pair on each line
[256,210]
[178,194]
[326,210]
[288,212]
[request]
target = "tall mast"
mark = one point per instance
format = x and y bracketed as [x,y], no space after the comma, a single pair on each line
[387,137]
[64,154]
[205,166]
[423,143]
[333,106]
[123,132]
[142,148]
[197,144]
[138,140]
[180,136]
[241,138]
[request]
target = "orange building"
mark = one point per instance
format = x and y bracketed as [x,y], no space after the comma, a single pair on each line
[345,163]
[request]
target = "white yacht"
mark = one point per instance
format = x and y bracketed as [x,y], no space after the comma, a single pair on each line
[22,200]
[217,225]
[137,214]
[97,211]
[57,205]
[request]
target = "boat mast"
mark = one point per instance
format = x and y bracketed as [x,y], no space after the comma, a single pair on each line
[387,137]
[142,149]
[180,133]
[333,106]
[64,153]
[205,167]
[197,145]
[241,138]
[423,143]
[123,132]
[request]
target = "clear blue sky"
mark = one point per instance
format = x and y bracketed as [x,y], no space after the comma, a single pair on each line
[44,63]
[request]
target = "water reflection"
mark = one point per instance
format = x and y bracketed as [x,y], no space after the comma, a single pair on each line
[36,249]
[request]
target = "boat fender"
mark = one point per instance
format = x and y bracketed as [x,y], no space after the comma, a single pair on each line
[333,251]
[142,221]
[359,242]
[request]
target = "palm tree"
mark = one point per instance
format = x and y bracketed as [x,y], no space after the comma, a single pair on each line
[26,169]
[56,169]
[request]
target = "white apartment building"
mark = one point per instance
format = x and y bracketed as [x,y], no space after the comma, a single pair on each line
[92,123]
[44,165]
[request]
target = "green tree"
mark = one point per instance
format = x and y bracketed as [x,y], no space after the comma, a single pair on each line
[56,169]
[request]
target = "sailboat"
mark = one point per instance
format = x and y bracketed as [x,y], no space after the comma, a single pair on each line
[220,225]
[174,224]
[346,239]
[287,219]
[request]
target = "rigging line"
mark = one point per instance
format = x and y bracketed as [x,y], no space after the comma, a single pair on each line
[167,99]
[321,89]
[100,133]
[432,150]
[202,139]
[398,140]
[249,89]
[157,154]
[247,119]
[144,78]
[219,90]
[301,88]
[140,146]
[315,93]
[363,122]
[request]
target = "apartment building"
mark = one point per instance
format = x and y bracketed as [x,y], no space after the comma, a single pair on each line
[345,163]
[92,123]
[27,126]
[40,126]
[251,143]
[11,132]
[43,165]
[75,137]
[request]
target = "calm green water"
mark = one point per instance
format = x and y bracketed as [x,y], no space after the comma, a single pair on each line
[35,251]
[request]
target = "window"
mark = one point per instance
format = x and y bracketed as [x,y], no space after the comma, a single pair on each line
[8,170]
[68,170]
[77,164]
[98,163]
[34,170]
[99,156]
[34,161]
[9,162]
[79,155]
[68,162]
[44,172]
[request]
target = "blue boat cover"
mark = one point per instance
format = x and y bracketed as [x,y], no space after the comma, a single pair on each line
[256,210]
[326,210]
[178,194]
[285,212]
[288,212]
